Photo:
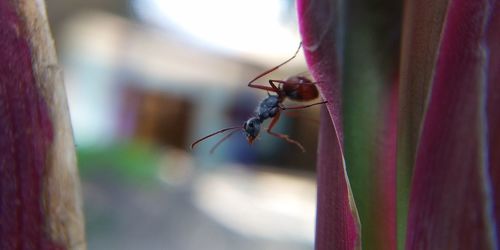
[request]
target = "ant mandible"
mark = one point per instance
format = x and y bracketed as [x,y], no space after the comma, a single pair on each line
[296,88]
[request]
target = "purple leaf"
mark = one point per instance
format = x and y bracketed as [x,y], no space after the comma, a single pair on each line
[337,219]
[337,223]
[423,22]
[451,198]
[25,133]
[493,106]
[38,177]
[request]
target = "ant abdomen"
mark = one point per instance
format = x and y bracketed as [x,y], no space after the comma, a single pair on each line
[300,88]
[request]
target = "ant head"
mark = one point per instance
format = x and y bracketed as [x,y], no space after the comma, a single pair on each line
[252,128]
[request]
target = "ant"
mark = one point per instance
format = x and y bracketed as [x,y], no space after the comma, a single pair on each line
[296,88]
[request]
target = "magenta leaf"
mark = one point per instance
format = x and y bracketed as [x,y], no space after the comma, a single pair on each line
[422,26]
[38,177]
[337,223]
[451,199]
[25,133]
[337,219]
[318,25]
[493,106]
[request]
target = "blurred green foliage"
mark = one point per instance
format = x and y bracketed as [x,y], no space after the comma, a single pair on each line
[129,161]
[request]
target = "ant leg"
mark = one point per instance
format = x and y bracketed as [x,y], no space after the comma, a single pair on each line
[278,81]
[273,87]
[282,136]
[266,88]
[271,70]
[285,82]
[304,106]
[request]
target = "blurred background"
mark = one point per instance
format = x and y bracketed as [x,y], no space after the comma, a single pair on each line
[145,78]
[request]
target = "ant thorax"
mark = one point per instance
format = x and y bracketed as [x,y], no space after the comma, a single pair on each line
[268,107]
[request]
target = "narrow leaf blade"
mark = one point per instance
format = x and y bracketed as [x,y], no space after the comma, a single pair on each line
[493,107]
[337,223]
[25,133]
[39,188]
[422,26]
[450,202]
[337,219]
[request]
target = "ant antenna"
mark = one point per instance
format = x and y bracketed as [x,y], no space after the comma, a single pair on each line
[221,141]
[212,134]
[277,67]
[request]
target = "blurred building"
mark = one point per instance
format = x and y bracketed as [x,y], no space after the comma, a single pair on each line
[142,85]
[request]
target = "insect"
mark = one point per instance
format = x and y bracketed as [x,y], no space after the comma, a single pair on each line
[296,88]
